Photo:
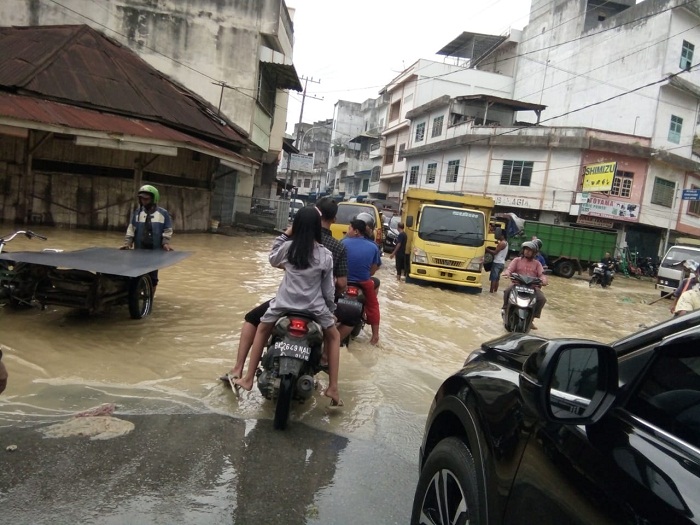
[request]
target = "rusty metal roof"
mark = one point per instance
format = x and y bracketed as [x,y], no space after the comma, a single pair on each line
[80,66]
[64,118]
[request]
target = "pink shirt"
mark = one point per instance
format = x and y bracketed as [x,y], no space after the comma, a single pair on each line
[528,267]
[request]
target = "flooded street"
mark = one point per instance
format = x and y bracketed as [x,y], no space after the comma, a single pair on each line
[168,363]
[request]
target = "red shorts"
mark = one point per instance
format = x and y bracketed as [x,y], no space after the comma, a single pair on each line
[371,302]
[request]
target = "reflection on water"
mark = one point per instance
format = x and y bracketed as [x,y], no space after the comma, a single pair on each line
[61,362]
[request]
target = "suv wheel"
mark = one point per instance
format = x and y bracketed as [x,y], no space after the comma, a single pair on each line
[447,490]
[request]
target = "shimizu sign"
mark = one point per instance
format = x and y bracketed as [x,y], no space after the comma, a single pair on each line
[599,177]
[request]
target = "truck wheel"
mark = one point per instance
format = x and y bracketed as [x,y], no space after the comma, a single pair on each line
[565,269]
[140,297]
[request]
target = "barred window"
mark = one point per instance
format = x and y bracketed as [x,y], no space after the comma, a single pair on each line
[376,171]
[516,173]
[662,194]
[402,148]
[693,206]
[674,130]
[687,55]
[452,171]
[622,184]
[430,174]
[437,126]
[420,131]
[413,175]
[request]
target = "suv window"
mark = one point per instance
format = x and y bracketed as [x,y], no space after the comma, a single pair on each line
[668,397]
[346,212]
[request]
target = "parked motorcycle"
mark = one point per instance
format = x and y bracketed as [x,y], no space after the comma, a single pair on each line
[290,362]
[520,308]
[18,281]
[598,275]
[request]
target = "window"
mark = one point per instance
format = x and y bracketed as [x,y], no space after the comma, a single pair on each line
[669,394]
[413,175]
[430,174]
[452,170]
[662,194]
[437,126]
[516,173]
[389,155]
[395,111]
[365,185]
[674,132]
[622,184]
[307,183]
[420,131]
[402,148]
[376,171]
[687,55]
[694,206]
[267,92]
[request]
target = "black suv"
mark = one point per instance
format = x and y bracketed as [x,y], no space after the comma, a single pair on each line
[568,431]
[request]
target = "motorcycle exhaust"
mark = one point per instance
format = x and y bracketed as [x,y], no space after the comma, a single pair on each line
[305,386]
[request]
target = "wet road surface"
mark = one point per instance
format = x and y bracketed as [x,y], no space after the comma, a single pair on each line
[161,373]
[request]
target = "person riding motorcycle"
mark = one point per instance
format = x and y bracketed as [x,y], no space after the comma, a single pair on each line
[527,265]
[609,264]
[369,222]
[539,255]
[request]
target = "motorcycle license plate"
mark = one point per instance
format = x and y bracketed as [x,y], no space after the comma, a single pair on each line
[524,289]
[293,350]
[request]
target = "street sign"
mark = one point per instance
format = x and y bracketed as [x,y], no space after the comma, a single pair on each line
[302,163]
[691,195]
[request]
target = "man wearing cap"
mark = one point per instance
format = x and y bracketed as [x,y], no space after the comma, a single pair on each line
[363,261]
[689,299]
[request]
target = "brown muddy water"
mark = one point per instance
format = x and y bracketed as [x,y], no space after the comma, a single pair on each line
[61,363]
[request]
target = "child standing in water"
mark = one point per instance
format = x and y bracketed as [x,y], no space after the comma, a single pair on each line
[307,285]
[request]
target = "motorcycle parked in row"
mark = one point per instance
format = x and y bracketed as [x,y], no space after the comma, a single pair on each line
[520,308]
[290,362]
[601,275]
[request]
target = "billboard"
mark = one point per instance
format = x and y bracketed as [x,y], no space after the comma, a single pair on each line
[610,209]
[599,177]
[302,162]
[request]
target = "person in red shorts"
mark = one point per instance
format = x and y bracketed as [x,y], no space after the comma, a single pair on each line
[363,261]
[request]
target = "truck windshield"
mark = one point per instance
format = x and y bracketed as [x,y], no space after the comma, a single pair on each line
[462,227]
[678,254]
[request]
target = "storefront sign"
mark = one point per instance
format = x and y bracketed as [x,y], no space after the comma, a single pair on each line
[594,221]
[610,209]
[599,177]
[301,163]
[517,202]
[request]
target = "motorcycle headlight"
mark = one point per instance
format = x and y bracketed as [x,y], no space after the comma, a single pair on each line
[475,264]
[419,256]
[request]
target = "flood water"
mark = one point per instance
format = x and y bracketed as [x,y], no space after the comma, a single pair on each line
[60,362]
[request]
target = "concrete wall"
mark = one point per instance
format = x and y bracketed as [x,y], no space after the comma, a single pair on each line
[97,197]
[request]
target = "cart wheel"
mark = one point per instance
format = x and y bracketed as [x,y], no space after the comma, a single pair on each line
[140,297]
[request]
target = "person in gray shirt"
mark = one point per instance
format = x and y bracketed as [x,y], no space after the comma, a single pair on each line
[307,285]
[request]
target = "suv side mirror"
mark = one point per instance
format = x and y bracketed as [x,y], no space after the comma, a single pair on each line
[570,381]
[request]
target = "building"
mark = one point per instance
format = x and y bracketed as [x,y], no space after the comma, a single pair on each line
[237,56]
[314,140]
[539,163]
[343,156]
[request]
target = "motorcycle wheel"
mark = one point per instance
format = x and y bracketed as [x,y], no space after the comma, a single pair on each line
[140,297]
[594,280]
[604,285]
[284,401]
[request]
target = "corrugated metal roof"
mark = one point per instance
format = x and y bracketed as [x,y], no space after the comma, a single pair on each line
[79,65]
[26,110]
[471,45]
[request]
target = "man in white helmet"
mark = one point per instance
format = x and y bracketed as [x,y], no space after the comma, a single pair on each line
[527,265]
[690,299]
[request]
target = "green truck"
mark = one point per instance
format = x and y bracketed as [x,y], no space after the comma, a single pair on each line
[568,250]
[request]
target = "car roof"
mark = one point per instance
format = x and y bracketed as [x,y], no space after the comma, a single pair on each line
[657,332]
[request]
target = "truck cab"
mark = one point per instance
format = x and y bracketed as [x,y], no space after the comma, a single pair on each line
[446,235]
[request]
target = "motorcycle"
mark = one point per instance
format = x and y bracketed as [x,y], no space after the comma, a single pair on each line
[290,362]
[353,299]
[18,281]
[520,308]
[598,276]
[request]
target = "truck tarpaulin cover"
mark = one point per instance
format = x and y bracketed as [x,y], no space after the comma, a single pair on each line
[111,261]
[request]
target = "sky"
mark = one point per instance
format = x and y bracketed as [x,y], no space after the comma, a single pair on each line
[356,48]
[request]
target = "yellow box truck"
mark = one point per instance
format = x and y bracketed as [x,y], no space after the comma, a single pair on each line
[446,236]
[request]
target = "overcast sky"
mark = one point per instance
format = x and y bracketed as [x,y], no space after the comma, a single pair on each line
[355,48]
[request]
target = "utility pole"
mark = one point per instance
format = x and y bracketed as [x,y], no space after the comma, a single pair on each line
[301,117]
